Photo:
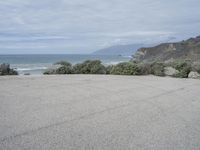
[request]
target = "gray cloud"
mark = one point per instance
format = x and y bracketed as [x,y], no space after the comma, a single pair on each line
[63,26]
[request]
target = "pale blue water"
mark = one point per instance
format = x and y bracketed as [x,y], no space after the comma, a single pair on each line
[37,64]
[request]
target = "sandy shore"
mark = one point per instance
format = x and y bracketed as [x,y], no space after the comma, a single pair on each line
[91,112]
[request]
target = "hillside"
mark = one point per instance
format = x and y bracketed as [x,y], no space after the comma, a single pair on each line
[125,50]
[188,50]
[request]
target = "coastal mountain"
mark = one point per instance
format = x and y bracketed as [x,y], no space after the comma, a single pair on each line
[184,50]
[125,50]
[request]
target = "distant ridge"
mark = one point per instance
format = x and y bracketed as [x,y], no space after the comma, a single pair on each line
[125,50]
[187,50]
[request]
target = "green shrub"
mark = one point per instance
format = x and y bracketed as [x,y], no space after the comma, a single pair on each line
[183,67]
[157,68]
[47,72]
[64,70]
[89,67]
[6,70]
[108,69]
[145,68]
[50,71]
[125,68]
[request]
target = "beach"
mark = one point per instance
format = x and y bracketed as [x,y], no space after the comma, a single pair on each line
[77,112]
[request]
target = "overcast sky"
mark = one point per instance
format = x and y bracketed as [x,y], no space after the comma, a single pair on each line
[83,26]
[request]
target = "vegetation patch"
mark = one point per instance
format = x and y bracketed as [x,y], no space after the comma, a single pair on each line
[109,68]
[125,68]
[183,67]
[89,67]
[6,70]
[144,68]
[157,68]
[180,69]
[64,67]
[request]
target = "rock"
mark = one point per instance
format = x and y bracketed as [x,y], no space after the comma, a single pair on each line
[196,67]
[27,74]
[170,71]
[194,75]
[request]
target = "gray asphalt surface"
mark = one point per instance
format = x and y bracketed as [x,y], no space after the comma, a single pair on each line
[86,112]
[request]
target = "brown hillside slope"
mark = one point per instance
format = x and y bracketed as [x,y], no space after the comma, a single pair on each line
[187,50]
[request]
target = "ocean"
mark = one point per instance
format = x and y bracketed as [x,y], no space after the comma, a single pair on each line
[37,64]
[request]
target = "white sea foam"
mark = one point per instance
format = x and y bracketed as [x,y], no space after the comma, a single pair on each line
[127,56]
[113,62]
[31,69]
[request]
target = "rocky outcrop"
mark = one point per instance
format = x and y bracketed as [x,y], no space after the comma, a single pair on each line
[170,71]
[194,75]
[196,66]
[168,52]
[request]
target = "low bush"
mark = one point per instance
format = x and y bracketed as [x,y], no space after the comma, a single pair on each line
[183,67]
[108,69]
[6,70]
[157,68]
[64,70]
[89,67]
[144,68]
[63,67]
[125,68]
[50,72]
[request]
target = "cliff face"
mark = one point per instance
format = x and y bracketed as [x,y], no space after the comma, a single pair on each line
[187,50]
